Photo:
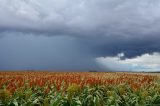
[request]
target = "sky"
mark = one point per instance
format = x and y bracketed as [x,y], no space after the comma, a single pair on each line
[80,35]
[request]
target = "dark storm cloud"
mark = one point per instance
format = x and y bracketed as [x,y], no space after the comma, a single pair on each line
[43,53]
[130,47]
[103,27]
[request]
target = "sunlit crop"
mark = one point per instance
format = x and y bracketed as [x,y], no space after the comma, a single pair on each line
[78,89]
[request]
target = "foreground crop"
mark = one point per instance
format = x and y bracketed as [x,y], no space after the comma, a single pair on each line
[78,89]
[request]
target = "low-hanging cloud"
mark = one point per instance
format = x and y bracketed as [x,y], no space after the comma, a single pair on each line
[145,62]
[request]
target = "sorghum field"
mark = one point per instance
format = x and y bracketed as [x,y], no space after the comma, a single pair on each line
[79,89]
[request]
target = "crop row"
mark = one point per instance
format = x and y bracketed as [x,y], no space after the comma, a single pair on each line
[78,89]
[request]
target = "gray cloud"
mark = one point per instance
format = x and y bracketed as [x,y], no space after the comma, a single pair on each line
[102,27]
[122,18]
